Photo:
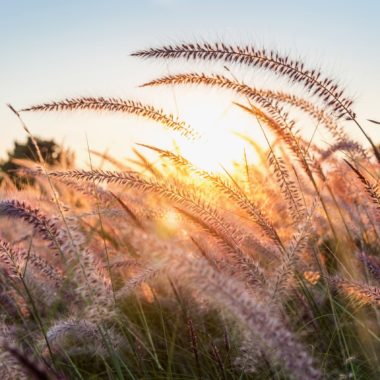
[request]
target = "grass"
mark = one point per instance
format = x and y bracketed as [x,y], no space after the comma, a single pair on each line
[163,270]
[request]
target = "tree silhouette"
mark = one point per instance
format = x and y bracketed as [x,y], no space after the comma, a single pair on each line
[51,152]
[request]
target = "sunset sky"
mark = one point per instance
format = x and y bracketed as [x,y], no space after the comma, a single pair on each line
[56,49]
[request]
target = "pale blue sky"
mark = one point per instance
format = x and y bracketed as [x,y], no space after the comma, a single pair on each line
[54,49]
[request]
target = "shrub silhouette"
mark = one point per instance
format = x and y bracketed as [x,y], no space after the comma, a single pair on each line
[52,153]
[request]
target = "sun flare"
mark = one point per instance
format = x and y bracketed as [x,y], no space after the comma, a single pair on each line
[219,146]
[217,151]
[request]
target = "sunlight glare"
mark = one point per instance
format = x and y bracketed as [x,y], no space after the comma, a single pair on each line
[219,147]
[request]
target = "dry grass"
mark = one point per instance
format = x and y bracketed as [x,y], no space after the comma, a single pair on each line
[268,272]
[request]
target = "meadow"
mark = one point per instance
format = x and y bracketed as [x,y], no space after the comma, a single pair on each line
[160,269]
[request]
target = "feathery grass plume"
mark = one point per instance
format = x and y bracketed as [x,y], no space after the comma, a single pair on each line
[371,264]
[250,355]
[81,336]
[118,105]
[183,198]
[73,239]
[128,210]
[295,71]
[232,192]
[230,257]
[215,354]
[222,244]
[325,88]
[371,189]
[32,368]
[237,264]
[103,196]
[10,367]
[41,224]
[250,271]
[144,275]
[94,286]
[256,317]
[41,265]
[269,99]
[344,145]
[360,294]
[9,260]
[91,190]
[288,187]
[26,268]
[289,260]
[21,363]
[202,249]
[279,122]
[319,115]
[93,283]
[308,163]
[194,345]
[285,133]
[10,305]
[265,98]
[122,262]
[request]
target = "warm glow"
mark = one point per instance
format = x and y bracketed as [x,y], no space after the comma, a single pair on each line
[171,219]
[219,147]
[169,224]
[215,151]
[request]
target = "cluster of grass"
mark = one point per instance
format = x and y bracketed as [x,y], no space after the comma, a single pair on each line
[167,271]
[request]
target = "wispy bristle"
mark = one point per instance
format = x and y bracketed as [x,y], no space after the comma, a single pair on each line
[117,105]
[294,70]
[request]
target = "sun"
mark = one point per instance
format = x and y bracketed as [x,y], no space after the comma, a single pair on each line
[215,151]
[220,146]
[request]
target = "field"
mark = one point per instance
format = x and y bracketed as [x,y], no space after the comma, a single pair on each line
[160,269]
